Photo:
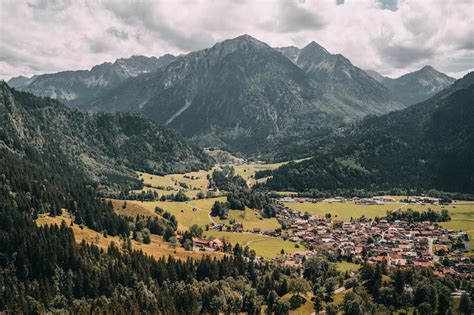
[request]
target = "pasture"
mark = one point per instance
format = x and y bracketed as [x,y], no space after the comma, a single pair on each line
[187,213]
[265,246]
[250,220]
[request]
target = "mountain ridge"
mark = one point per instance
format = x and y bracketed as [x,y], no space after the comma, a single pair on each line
[109,148]
[425,146]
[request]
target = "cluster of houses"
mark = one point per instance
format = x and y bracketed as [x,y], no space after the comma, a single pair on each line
[398,243]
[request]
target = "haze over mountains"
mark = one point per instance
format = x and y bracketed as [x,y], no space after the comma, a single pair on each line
[240,94]
[416,86]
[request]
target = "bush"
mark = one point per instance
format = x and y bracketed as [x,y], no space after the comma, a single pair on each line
[296,301]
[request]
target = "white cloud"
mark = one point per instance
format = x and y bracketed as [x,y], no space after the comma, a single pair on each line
[388,36]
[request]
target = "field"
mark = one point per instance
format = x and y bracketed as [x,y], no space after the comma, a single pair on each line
[197,212]
[265,246]
[343,210]
[171,184]
[251,219]
[187,213]
[247,171]
[347,266]
[157,248]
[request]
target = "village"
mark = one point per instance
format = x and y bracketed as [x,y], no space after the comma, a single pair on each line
[397,243]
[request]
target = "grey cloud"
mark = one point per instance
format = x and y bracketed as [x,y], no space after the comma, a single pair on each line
[400,56]
[294,17]
[50,5]
[142,14]
[117,33]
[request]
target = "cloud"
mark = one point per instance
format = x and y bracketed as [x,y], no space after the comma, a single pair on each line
[295,17]
[391,37]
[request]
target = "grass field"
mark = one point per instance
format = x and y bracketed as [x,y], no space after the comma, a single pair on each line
[342,211]
[264,246]
[187,213]
[196,182]
[347,266]
[251,219]
[157,247]
[195,212]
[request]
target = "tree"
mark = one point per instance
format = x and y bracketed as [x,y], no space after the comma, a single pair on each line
[271,299]
[298,286]
[425,308]
[318,301]
[200,195]
[195,231]
[465,305]
[444,300]
[146,236]
[331,310]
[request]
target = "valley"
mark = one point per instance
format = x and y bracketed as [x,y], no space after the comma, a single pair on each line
[234,174]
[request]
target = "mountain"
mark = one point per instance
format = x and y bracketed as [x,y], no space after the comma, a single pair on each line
[375,75]
[341,81]
[418,86]
[426,146]
[77,87]
[244,95]
[107,147]
[20,81]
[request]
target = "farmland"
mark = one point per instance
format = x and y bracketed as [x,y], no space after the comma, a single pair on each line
[265,246]
[197,212]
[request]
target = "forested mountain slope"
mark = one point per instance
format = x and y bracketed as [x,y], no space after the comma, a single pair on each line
[426,146]
[107,147]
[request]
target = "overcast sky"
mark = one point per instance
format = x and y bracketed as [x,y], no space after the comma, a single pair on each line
[392,37]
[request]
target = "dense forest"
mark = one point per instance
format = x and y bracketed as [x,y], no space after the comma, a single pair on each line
[426,146]
[108,148]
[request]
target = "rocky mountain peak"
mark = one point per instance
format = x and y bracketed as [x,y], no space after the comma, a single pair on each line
[315,48]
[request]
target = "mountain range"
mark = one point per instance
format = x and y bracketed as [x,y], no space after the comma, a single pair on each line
[240,94]
[425,146]
[79,87]
[107,147]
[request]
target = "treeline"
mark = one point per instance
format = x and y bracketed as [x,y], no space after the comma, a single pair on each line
[151,195]
[226,179]
[238,199]
[410,215]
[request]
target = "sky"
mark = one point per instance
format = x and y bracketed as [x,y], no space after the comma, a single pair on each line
[389,36]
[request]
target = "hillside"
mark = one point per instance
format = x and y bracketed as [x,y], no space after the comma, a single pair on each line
[417,86]
[426,146]
[108,147]
[76,88]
